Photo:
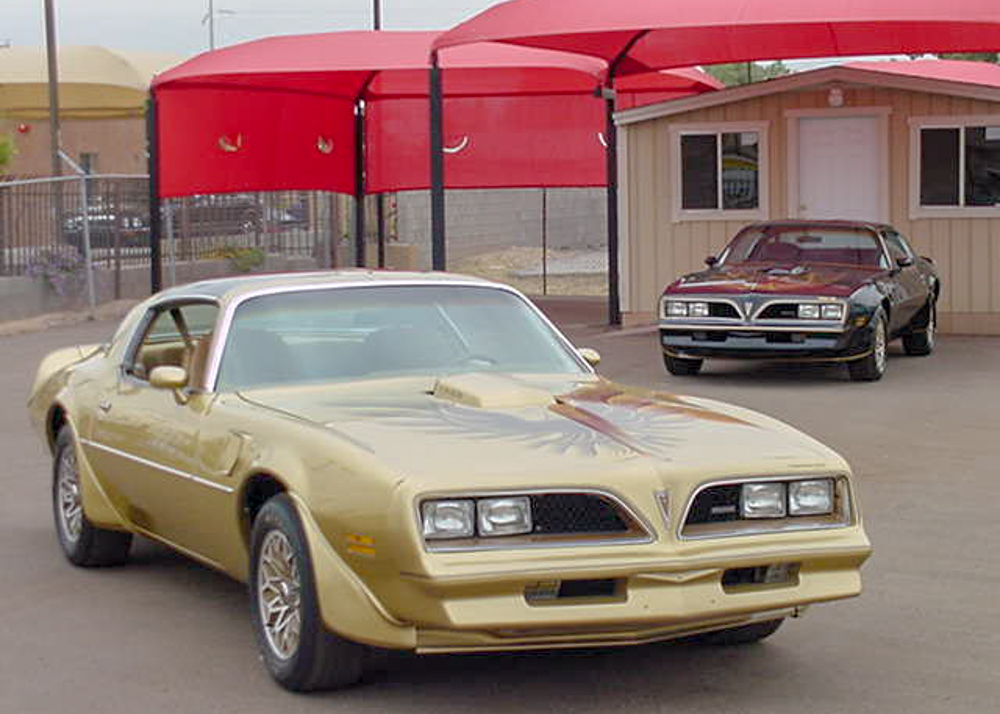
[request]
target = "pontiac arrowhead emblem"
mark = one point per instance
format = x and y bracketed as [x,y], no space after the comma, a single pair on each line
[747,308]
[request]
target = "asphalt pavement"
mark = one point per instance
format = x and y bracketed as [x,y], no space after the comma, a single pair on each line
[165,635]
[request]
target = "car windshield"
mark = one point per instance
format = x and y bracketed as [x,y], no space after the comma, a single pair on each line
[799,244]
[367,332]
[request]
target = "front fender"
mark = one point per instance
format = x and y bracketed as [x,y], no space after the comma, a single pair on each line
[346,604]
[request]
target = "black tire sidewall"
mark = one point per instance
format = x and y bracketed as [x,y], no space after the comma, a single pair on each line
[295,672]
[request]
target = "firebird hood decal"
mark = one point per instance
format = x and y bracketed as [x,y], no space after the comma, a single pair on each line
[810,279]
[418,432]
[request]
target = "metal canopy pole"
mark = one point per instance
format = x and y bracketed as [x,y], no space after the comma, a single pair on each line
[379,198]
[359,184]
[155,224]
[611,136]
[438,248]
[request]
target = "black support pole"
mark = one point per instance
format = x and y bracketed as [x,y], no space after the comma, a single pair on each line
[359,185]
[438,258]
[155,222]
[611,136]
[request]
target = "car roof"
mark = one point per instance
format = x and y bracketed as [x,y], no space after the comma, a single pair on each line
[226,289]
[824,222]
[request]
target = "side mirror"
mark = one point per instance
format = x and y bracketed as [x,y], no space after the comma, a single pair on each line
[904,262]
[590,356]
[711,261]
[166,377]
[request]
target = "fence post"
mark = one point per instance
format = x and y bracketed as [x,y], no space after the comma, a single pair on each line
[88,255]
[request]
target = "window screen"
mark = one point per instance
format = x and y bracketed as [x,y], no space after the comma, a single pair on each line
[939,167]
[982,166]
[699,171]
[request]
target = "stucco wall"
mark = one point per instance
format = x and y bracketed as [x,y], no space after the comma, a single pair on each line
[966,250]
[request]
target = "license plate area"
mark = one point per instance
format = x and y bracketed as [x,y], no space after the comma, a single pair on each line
[775,575]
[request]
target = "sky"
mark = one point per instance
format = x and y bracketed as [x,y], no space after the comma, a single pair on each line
[175,26]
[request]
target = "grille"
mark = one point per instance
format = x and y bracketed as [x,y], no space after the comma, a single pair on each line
[558,513]
[717,504]
[722,309]
[780,311]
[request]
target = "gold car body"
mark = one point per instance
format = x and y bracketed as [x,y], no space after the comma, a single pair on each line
[359,457]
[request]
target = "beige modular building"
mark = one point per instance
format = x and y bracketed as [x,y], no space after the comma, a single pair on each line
[915,144]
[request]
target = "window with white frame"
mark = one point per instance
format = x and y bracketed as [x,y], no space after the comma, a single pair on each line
[958,163]
[719,172]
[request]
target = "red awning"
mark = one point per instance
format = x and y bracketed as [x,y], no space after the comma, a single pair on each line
[643,35]
[278,113]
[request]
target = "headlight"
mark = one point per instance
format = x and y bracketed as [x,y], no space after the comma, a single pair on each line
[504,516]
[698,309]
[833,312]
[810,498]
[676,308]
[762,500]
[808,311]
[449,519]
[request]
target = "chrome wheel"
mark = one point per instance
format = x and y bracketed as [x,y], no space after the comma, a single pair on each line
[879,346]
[69,503]
[279,595]
[931,328]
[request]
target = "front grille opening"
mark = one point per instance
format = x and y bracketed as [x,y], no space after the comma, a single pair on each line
[716,505]
[569,513]
[722,309]
[776,574]
[780,311]
[566,592]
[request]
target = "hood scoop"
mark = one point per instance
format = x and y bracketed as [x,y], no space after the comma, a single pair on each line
[489,391]
[797,270]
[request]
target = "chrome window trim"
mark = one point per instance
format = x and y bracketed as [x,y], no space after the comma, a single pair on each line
[848,516]
[159,467]
[224,325]
[433,547]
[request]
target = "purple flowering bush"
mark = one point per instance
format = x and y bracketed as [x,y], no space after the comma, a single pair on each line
[62,268]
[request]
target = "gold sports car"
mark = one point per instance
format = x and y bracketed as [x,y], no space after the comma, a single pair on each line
[423,462]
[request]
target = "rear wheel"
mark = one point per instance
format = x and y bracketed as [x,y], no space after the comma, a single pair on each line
[681,367]
[872,366]
[743,635]
[921,342]
[297,649]
[83,543]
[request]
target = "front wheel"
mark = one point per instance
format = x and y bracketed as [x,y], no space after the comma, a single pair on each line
[921,342]
[681,367]
[83,543]
[871,367]
[296,647]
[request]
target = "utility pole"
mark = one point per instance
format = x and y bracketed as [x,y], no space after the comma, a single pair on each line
[211,24]
[50,46]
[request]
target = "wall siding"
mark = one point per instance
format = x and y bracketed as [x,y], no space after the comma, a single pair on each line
[966,250]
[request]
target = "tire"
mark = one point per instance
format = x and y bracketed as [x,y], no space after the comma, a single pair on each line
[921,342]
[297,650]
[680,367]
[871,367]
[743,635]
[83,543]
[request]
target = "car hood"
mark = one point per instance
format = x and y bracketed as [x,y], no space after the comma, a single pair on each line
[504,429]
[784,279]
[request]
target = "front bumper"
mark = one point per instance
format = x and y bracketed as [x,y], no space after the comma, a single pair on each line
[788,343]
[484,607]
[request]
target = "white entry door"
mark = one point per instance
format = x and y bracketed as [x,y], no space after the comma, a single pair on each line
[840,172]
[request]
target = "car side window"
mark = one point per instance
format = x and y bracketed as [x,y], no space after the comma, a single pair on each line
[175,336]
[898,247]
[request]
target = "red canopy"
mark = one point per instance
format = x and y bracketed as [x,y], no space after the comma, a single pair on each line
[985,74]
[642,35]
[278,113]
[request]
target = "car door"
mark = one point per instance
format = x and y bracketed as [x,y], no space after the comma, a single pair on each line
[908,283]
[161,451]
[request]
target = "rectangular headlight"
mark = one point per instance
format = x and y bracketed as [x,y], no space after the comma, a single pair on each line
[810,498]
[698,309]
[833,312]
[504,516]
[762,500]
[675,308]
[808,311]
[448,519]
